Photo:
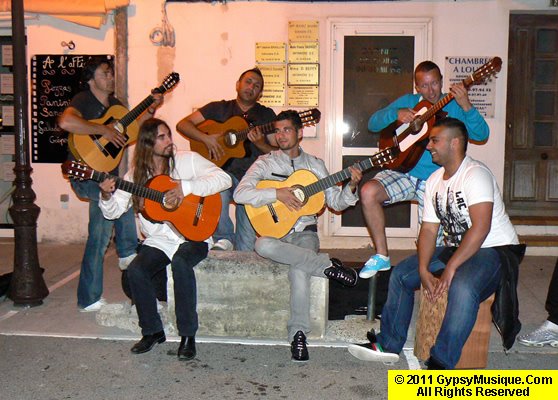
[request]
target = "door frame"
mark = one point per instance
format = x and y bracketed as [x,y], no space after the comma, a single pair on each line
[337,28]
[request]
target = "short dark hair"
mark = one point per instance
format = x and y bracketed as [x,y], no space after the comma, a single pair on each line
[427,66]
[91,66]
[256,71]
[290,115]
[457,126]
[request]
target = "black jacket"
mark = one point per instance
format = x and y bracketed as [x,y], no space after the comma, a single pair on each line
[505,309]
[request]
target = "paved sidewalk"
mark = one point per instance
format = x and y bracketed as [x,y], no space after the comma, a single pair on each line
[54,352]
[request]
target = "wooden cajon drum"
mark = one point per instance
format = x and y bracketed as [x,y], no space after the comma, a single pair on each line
[430,317]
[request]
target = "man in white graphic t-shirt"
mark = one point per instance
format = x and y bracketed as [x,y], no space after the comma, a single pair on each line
[463,198]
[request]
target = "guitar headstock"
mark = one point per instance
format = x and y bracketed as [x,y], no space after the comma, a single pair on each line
[169,82]
[77,170]
[486,71]
[310,117]
[385,156]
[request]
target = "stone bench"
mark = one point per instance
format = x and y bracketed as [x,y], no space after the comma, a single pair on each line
[241,295]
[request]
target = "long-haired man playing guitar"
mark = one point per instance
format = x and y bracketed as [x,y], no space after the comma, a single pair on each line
[155,155]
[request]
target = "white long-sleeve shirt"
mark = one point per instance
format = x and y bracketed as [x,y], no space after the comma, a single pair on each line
[197,176]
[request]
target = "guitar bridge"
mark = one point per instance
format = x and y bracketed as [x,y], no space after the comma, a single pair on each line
[199,211]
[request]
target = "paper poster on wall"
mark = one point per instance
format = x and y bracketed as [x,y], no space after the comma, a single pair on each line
[8,171]
[7,55]
[6,84]
[7,144]
[8,116]
[482,95]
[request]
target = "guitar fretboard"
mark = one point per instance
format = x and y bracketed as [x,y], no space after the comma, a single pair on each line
[137,190]
[136,111]
[377,160]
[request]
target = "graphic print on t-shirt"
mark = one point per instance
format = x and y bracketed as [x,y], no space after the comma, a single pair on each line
[454,217]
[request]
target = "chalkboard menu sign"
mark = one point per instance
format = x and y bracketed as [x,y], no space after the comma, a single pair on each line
[55,81]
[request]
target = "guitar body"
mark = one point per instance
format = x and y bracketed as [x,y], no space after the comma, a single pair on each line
[411,139]
[262,218]
[225,136]
[196,218]
[96,151]
[100,154]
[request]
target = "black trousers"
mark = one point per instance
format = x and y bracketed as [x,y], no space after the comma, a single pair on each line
[149,262]
[551,305]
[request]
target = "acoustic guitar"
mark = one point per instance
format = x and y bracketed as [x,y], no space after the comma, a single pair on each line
[276,220]
[196,218]
[98,152]
[232,133]
[412,138]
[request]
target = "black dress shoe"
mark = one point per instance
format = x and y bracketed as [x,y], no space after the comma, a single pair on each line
[338,272]
[147,342]
[187,348]
[299,351]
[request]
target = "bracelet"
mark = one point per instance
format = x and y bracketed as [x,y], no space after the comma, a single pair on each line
[151,111]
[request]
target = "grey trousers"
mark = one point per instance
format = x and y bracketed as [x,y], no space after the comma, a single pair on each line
[299,250]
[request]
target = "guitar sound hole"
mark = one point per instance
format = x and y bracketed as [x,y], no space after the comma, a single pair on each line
[300,195]
[168,205]
[231,139]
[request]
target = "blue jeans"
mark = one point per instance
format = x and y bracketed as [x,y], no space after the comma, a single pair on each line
[245,236]
[473,282]
[90,287]
[147,264]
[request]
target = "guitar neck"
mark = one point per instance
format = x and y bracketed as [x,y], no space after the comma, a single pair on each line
[331,180]
[243,134]
[444,101]
[136,111]
[436,107]
[137,190]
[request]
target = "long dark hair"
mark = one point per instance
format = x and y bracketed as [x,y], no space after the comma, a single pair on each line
[143,155]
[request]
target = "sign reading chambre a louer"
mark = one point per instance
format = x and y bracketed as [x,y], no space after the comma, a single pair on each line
[481,95]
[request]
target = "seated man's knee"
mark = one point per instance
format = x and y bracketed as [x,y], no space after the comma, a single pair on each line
[372,192]
[405,274]
[264,246]
[134,270]
[460,292]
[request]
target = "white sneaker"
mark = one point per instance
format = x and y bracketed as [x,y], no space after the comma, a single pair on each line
[547,333]
[223,245]
[125,261]
[372,352]
[95,306]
